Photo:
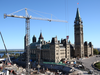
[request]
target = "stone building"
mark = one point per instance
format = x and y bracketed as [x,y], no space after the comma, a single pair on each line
[49,51]
[55,50]
[88,49]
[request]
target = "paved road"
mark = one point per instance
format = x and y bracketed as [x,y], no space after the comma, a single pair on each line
[88,61]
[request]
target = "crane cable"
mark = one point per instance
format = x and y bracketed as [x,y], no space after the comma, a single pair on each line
[37,13]
[17,11]
[65,17]
[67,27]
[68,17]
[34,11]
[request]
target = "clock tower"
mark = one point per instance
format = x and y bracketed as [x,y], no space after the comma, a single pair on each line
[41,39]
[78,33]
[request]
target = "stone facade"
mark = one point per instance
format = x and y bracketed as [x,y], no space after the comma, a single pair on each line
[88,49]
[52,51]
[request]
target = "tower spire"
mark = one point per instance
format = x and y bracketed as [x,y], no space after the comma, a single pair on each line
[78,15]
[41,37]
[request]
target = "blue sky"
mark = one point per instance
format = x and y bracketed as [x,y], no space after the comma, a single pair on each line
[13,29]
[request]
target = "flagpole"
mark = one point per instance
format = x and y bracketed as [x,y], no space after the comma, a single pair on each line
[77,5]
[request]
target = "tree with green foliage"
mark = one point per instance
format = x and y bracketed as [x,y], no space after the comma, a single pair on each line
[17,55]
[12,54]
[95,52]
[4,56]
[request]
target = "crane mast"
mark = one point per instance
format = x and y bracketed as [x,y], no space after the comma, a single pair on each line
[27,32]
[27,43]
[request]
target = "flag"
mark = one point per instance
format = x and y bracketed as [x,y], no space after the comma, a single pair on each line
[77,3]
[67,37]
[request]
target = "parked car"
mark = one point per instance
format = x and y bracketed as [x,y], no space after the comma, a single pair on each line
[79,66]
[90,72]
[97,56]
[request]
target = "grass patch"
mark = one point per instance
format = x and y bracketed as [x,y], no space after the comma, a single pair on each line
[97,65]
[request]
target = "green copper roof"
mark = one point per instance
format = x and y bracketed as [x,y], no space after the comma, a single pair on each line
[77,14]
[47,46]
[33,45]
[53,63]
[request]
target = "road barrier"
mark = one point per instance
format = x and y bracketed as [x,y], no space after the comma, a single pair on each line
[94,66]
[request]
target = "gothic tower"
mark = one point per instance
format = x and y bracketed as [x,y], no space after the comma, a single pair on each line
[78,33]
[41,39]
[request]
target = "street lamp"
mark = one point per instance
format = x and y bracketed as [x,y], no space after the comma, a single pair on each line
[39,58]
[38,66]
[51,67]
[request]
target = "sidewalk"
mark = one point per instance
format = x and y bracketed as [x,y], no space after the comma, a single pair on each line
[84,72]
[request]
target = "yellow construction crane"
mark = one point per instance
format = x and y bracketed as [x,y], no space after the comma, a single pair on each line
[27,17]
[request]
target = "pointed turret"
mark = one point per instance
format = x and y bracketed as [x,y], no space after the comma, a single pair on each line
[41,37]
[34,39]
[78,15]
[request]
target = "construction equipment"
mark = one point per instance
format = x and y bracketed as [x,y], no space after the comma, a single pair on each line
[27,17]
[8,58]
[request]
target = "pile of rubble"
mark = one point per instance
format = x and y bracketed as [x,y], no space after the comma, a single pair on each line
[13,69]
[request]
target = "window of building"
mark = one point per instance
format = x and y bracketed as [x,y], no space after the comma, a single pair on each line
[62,50]
[81,29]
[57,50]
[68,52]
[56,53]
[62,53]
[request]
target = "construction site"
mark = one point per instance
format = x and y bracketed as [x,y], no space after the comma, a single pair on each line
[24,65]
[8,67]
[49,37]
[46,58]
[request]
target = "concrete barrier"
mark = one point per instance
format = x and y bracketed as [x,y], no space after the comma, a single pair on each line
[94,66]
